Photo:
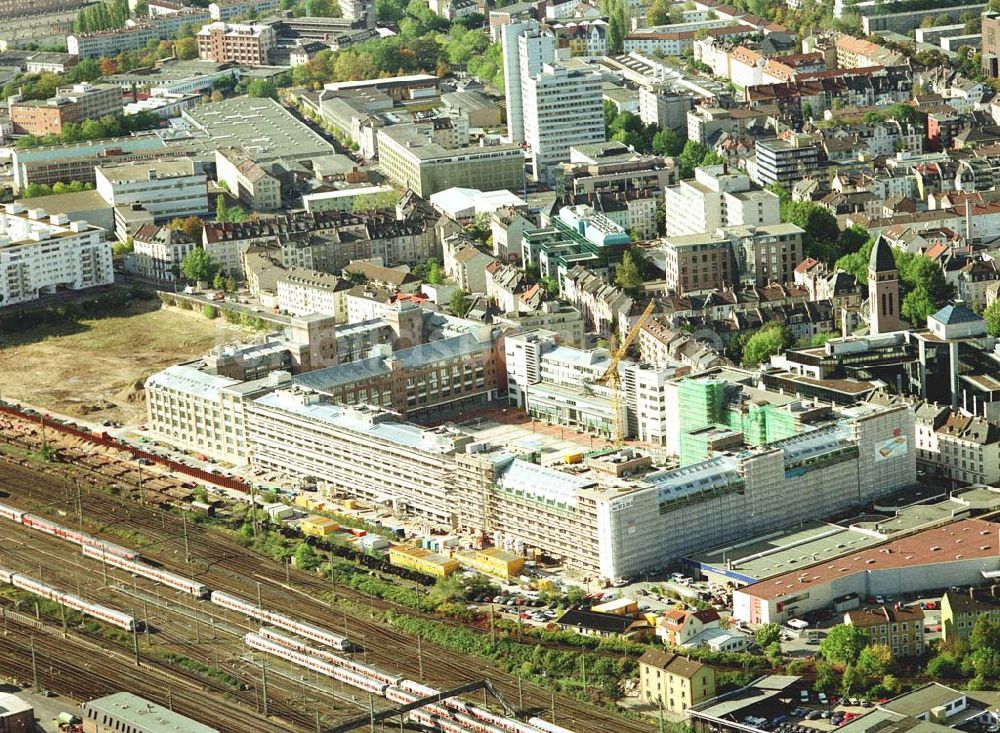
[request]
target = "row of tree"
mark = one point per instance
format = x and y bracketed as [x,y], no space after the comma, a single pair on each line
[101,16]
[34,190]
[107,126]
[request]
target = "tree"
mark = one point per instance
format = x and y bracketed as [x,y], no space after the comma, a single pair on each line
[434,276]
[262,88]
[187,49]
[191,226]
[460,303]
[844,643]
[944,664]
[767,635]
[198,266]
[667,142]
[821,230]
[219,281]
[305,557]
[627,275]
[875,661]
[827,678]
[985,634]
[768,341]
[992,316]
[691,156]
[917,305]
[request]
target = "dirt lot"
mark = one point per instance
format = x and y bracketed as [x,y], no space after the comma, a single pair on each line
[95,368]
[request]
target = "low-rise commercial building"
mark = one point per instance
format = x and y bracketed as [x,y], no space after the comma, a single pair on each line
[423,561]
[124,711]
[960,552]
[41,253]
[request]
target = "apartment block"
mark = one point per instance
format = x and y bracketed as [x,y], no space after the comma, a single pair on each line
[672,682]
[784,161]
[900,629]
[303,292]
[70,104]
[160,250]
[239,43]
[224,10]
[41,253]
[247,179]
[717,198]
[960,609]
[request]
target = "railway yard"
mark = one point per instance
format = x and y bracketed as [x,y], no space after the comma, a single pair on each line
[191,653]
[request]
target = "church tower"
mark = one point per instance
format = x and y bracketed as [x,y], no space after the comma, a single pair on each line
[883,290]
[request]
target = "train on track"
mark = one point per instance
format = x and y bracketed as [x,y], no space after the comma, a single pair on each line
[547,727]
[71,535]
[301,646]
[102,613]
[144,570]
[247,608]
[450,715]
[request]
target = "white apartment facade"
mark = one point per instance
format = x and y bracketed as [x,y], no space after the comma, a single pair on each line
[562,108]
[159,251]
[303,292]
[40,253]
[247,180]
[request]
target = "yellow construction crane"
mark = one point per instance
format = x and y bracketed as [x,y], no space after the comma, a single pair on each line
[613,379]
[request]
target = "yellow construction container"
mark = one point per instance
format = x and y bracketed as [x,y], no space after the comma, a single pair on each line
[422,561]
[303,500]
[493,561]
[572,458]
[350,504]
[318,526]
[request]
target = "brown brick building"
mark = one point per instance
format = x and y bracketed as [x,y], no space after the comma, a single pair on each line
[236,43]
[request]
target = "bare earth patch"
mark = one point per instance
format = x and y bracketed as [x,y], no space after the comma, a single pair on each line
[95,368]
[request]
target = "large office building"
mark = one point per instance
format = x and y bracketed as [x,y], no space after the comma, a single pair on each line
[717,198]
[617,527]
[562,108]
[785,161]
[165,188]
[41,253]
[361,451]
[549,107]
[410,156]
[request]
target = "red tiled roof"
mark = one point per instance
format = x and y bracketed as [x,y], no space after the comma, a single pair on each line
[969,539]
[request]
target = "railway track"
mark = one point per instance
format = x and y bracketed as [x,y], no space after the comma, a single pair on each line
[61,564]
[223,565]
[77,669]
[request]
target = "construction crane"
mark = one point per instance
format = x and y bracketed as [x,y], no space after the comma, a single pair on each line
[613,379]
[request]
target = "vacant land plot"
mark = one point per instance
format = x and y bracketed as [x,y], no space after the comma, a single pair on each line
[95,368]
